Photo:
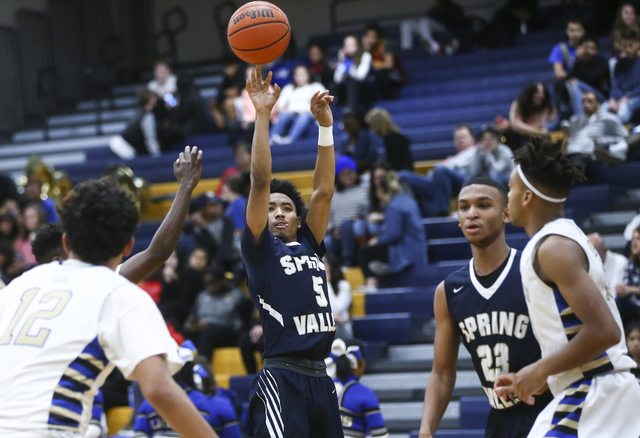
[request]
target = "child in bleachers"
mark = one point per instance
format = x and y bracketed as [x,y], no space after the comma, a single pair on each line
[359,407]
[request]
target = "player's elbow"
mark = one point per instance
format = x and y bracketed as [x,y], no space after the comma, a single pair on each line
[611,335]
[323,193]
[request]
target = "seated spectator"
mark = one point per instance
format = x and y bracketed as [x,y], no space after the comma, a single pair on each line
[223,109]
[188,115]
[9,227]
[349,204]
[632,335]
[528,115]
[339,291]
[614,264]
[319,68]
[590,72]
[626,20]
[33,220]
[7,257]
[242,154]
[293,107]
[282,67]
[435,190]
[444,16]
[242,131]
[233,194]
[492,158]
[351,71]
[357,141]
[563,55]
[164,81]
[33,194]
[401,248]
[397,146]
[143,135]
[217,317]
[625,86]
[628,292]
[387,69]
[599,134]
[375,216]
[8,190]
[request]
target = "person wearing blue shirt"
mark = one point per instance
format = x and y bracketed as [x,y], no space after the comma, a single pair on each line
[359,407]
[563,55]
[401,248]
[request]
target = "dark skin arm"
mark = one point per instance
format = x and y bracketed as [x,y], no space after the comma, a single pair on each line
[445,360]
[187,169]
[562,262]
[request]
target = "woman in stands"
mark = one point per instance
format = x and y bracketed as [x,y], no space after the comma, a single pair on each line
[353,68]
[401,248]
[626,19]
[397,146]
[529,115]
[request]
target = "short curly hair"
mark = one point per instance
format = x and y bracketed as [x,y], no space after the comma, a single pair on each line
[286,187]
[48,243]
[548,168]
[99,218]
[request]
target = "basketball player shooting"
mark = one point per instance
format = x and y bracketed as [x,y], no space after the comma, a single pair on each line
[572,310]
[292,395]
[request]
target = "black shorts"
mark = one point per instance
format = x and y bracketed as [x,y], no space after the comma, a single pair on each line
[516,421]
[288,404]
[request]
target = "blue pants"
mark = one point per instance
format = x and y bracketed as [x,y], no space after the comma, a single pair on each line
[345,246]
[435,190]
[288,404]
[298,122]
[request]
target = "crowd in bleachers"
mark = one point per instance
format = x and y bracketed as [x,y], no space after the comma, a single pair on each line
[376,219]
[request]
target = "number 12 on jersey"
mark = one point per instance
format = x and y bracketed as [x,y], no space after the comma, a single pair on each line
[26,301]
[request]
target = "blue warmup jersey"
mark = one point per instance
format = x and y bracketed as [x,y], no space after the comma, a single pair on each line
[150,424]
[494,323]
[288,285]
[222,417]
[359,409]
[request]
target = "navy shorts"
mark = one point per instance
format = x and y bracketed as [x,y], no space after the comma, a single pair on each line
[287,404]
[516,421]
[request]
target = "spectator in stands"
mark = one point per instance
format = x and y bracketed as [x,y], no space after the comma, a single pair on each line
[389,75]
[445,16]
[626,20]
[492,158]
[319,68]
[164,81]
[375,216]
[351,71]
[632,335]
[9,227]
[188,115]
[294,112]
[33,219]
[614,264]
[628,292]
[233,194]
[223,109]
[143,135]
[563,55]
[282,68]
[242,154]
[625,86]
[528,115]
[8,190]
[349,204]
[397,146]
[401,248]
[215,232]
[599,134]
[33,194]
[339,291]
[357,141]
[590,72]
[7,257]
[243,130]
[216,319]
[250,342]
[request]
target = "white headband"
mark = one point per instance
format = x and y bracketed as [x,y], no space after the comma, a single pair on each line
[536,191]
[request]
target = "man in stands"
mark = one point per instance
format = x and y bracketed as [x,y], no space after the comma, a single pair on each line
[625,87]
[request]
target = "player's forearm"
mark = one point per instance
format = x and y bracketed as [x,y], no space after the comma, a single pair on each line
[261,151]
[166,238]
[324,174]
[172,403]
[436,399]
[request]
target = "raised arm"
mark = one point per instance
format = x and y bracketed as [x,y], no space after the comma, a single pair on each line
[324,174]
[563,262]
[263,100]
[445,360]
[187,170]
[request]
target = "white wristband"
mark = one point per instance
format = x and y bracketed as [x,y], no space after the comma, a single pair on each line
[325,136]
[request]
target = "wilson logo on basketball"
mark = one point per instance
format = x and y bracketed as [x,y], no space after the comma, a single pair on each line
[253,14]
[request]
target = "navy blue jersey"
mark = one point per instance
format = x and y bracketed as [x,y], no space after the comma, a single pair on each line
[288,285]
[359,410]
[494,323]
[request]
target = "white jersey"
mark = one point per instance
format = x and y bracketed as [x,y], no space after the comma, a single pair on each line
[63,327]
[554,323]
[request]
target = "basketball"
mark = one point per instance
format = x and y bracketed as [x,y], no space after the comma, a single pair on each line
[258,32]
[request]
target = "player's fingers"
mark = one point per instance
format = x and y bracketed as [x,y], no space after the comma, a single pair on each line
[258,73]
[253,78]
[199,159]
[276,90]
[181,157]
[194,154]
[187,152]
[267,80]
[329,98]
[323,94]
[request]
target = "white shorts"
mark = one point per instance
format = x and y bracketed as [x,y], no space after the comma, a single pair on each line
[601,407]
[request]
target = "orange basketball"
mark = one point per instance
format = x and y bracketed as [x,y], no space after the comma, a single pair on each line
[258,32]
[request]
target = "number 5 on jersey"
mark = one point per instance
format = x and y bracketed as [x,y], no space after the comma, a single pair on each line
[37,340]
[320,296]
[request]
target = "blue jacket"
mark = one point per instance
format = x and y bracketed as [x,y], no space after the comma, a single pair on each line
[365,149]
[404,233]
[626,79]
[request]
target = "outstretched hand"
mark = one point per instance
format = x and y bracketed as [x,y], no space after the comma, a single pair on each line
[263,99]
[320,108]
[188,167]
[525,384]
